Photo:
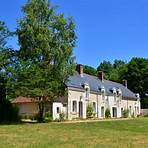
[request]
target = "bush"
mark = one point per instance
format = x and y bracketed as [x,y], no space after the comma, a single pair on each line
[62,116]
[107,113]
[126,113]
[48,117]
[146,115]
[133,115]
[89,112]
[8,112]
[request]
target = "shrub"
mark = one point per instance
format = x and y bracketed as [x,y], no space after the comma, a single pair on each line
[94,115]
[8,112]
[125,113]
[89,112]
[107,113]
[146,115]
[61,116]
[133,115]
[48,117]
[139,115]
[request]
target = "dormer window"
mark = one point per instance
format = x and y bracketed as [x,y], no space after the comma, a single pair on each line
[137,95]
[114,90]
[87,90]
[87,93]
[119,92]
[102,89]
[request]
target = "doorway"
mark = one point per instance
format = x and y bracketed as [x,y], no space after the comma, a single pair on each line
[114,112]
[102,111]
[80,109]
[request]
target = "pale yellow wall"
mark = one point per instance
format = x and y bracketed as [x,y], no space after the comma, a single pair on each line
[28,109]
[74,95]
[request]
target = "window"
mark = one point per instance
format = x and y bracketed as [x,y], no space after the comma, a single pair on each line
[121,112]
[94,107]
[58,110]
[87,92]
[130,110]
[137,110]
[74,106]
[64,105]
[103,97]
[115,98]
[102,111]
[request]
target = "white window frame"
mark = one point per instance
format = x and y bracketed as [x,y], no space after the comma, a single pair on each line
[94,107]
[74,106]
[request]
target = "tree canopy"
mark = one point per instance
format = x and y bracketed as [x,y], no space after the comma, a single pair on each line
[135,72]
[45,59]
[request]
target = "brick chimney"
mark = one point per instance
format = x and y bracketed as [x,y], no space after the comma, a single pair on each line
[125,83]
[101,75]
[80,69]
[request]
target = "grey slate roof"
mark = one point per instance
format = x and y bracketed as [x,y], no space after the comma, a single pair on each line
[76,81]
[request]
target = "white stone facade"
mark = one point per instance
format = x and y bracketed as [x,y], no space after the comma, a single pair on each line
[77,103]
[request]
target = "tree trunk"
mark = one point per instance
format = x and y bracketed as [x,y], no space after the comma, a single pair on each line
[41,109]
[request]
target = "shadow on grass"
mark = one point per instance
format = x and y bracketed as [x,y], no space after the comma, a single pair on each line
[17,122]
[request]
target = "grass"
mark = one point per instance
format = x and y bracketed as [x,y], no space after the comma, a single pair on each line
[105,134]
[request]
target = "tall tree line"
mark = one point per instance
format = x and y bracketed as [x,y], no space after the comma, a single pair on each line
[134,71]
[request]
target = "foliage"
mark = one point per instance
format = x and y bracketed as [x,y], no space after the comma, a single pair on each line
[133,115]
[144,102]
[4,34]
[125,113]
[112,71]
[45,59]
[89,111]
[48,117]
[137,76]
[8,112]
[106,67]
[135,72]
[107,113]
[90,70]
[62,116]
[146,115]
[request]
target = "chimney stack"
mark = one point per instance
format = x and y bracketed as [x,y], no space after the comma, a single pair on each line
[101,75]
[80,69]
[125,83]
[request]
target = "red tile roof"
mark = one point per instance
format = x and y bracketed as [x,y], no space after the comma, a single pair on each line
[21,99]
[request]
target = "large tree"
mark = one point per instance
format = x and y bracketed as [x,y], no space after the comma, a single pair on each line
[106,67]
[136,73]
[46,59]
[90,70]
[5,57]
[112,71]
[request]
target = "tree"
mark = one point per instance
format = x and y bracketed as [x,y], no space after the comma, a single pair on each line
[106,67]
[112,71]
[118,64]
[46,57]
[136,73]
[90,70]
[5,58]
[4,34]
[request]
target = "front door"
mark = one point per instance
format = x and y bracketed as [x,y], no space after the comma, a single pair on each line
[102,111]
[80,109]
[114,112]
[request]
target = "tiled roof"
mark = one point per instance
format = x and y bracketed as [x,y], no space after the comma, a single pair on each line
[21,99]
[77,81]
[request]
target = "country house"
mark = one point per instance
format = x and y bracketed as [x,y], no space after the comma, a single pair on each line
[84,89]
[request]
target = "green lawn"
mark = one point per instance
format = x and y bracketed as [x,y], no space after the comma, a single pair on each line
[124,134]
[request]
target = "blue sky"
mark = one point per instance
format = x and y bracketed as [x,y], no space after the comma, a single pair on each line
[106,29]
